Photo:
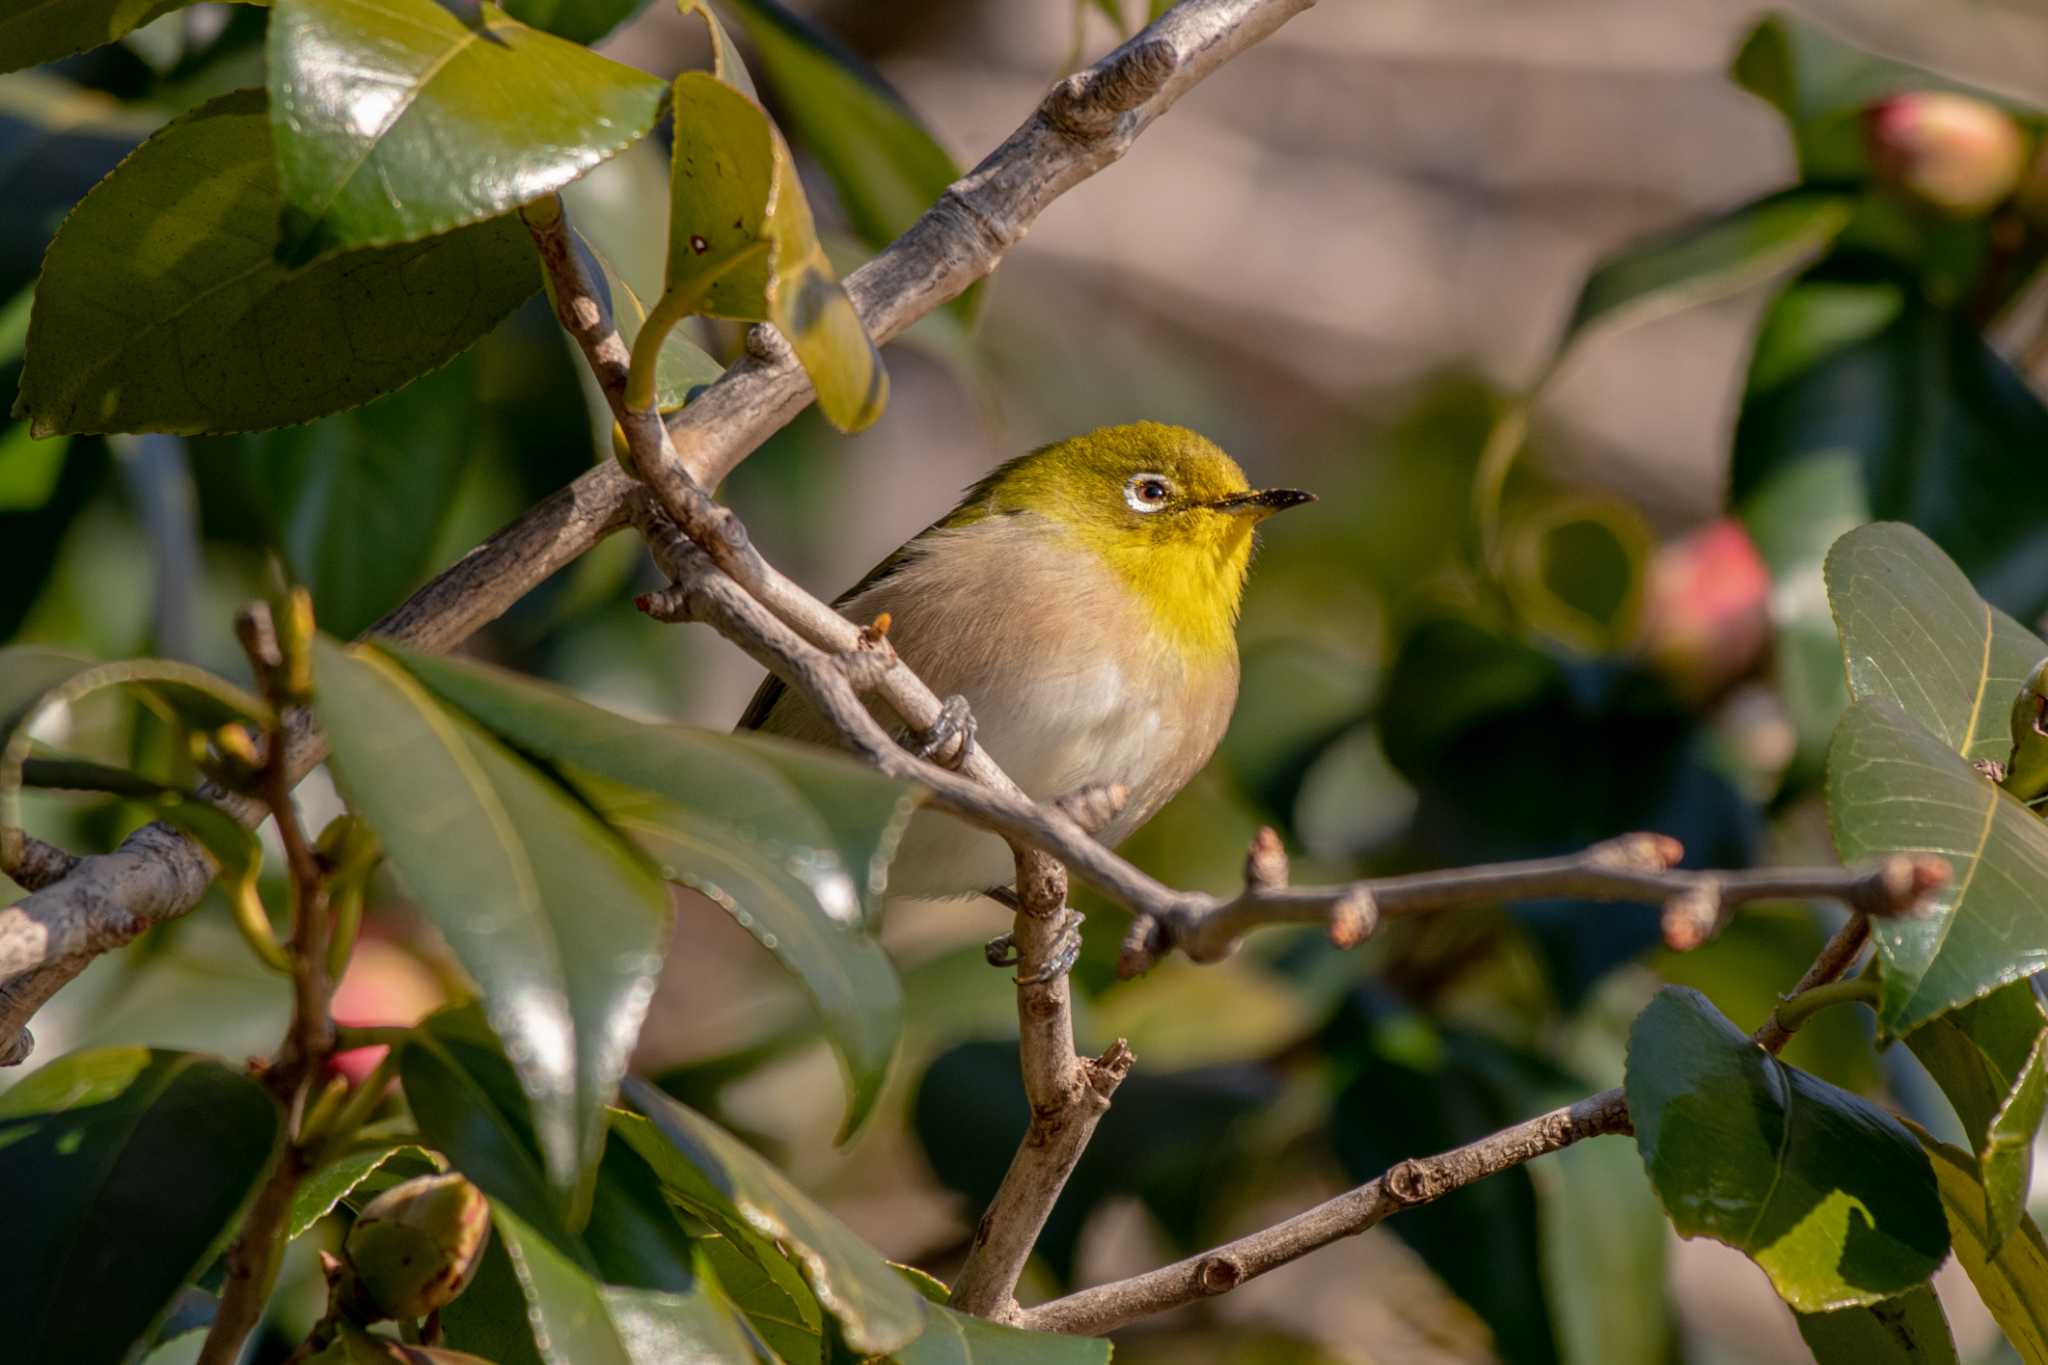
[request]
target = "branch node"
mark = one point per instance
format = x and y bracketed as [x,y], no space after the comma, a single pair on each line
[1143,943]
[1087,104]
[1265,862]
[1105,1073]
[1902,885]
[1694,916]
[1641,852]
[1353,918]
[1219,1274]
[1411,1183]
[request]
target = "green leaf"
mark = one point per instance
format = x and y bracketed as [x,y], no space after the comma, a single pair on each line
[1895,788]
[1908,1330]
[1602,1241]
[29,671]
[704,1167]
[658,1327]
[2013,1280]
[742,245]
[792,841]
[565,1309]
[1825,1191]
[1916,634]
[399,120]
[558,921]
[1991,1059]
[580,21]
[354,502]
[152,316]
[682,367]
[779,1307]
[38,31]
[885,165]
[127,1170]
[1936,426]
[962,1339]
[1709,259]
[321,1192]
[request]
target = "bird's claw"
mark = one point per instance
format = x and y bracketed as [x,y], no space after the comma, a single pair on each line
[1001,951]
[955,722]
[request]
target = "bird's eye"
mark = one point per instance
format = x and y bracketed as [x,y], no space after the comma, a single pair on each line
[1147,492]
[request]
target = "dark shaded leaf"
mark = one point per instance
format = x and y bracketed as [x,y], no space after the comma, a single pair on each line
[38,31]
[702,1166]
[149,318]
[559,922]
[399,120]
[1908,1330]
[127,1169]
[1825,1191]
[580,21]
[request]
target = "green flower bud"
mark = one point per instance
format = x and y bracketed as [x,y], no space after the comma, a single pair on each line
[1951,153]
[351,1345]
[2026,772]
[417,1245]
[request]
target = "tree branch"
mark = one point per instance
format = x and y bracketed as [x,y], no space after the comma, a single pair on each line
[1418,1180]
[1088,121]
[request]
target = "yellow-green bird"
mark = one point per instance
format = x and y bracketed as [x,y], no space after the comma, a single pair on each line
[1082,600]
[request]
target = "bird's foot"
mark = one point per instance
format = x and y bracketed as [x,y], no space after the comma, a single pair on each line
[951,738]
[1001,951]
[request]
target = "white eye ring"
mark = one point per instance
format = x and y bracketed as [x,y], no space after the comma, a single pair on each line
[1147,492]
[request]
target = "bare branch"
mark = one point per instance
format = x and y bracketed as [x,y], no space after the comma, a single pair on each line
[1087,123]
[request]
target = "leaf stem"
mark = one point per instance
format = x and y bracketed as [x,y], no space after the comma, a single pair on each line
[673,306]
[1795,1010]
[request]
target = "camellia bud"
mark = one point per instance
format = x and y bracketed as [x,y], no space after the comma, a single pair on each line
[1958,155]
[2026,772]
[1706,609]
[417,1245]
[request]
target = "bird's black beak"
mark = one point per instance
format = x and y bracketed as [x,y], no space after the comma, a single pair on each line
[1263,503]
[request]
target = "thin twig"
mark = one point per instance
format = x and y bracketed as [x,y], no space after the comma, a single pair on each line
[1087,123]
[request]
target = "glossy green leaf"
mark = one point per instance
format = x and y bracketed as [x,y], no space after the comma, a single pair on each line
[127,1169]
[1991,1059]
[661,1328]
[793,842]
[354,502]
[742,245]
[559,922]
[580,21]
[1708,259]
[565,1308]
[885,165]
[321,1192]
[702,1166]
[1829,1194]
[2013,1280]
[1908,1330]
[151,317]
[1936,426]
[1895,788]
[1916,634]
[961,1339]
[725,57]
[36,31]
[779,1307]
[399,120]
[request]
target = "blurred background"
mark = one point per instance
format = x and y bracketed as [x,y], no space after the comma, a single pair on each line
[1348,257]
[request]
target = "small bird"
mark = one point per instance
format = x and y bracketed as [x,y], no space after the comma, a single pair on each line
[1082,600]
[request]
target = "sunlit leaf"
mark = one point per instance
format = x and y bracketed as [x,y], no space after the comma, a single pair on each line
[1825,1191]
[2013,1280]
[742,244]
[321,1192]
[703,1166]
[683,367]
[36,31]
[398,120]
[150,317]
[127,1169]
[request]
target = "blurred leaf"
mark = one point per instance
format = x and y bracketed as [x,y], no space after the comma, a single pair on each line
[1297,696]
[32,534]
[792,841]
[354,502]
[2013,1280]
[127,1169]
[322,1191]
[27,672]
[1709,259]
[1575,569]
[960,1339]
[150,318]
[884,163]
[1938,426]
[580,21]
[56,142]
[1823,1190]
[1813,318]
[1908,1330]
[742,245]
[1601,1244]
[559,922]
[1894,788]
[399,120]
[1991,1059]
[1169,1015]
[34,33]
[704,1167]
[661,1328]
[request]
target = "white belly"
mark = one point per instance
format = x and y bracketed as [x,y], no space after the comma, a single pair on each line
[1053,736]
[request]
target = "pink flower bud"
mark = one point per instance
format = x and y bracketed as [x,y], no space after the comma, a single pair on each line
[1957,155]
[1706,609]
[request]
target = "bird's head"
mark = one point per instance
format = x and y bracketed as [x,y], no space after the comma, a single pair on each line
[1164,507]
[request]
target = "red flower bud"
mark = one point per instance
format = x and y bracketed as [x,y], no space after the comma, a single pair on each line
[1706,609]
[1951,153]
